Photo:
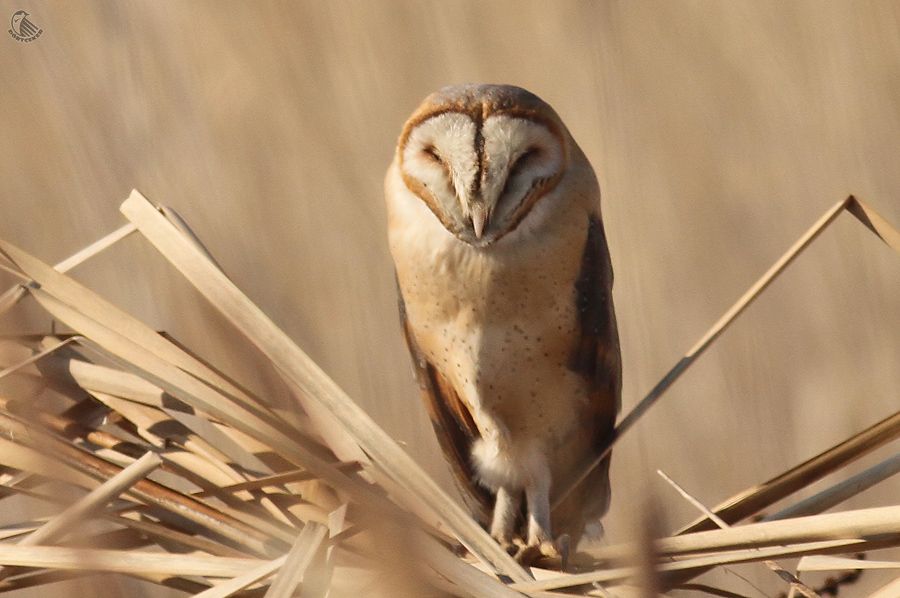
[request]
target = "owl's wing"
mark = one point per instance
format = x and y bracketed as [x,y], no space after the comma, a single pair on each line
[453,425]
[596,355]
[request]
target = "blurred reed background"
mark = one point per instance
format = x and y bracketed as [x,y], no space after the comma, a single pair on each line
[720,131]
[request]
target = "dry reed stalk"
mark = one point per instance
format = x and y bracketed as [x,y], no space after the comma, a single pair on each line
[337,521]
[464,575]
[241,582]
[858,524]
[37,356]
[93,501]
[168,535]
[279,479]
[891,590]
[795,584]
[154,390]
[13,295]
[298,559]
[124,561]
[833,563]
[754,499]
[838,493]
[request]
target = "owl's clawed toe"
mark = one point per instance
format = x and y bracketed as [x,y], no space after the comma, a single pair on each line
[530,554]
[548,553]
[563,544]
[527,554]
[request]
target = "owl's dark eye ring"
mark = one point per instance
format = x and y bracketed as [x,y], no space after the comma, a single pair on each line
[432,153]
[536,185]
[523,158]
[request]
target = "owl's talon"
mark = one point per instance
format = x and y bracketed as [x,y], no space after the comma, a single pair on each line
[549,549]
[563,544]
[552,554]
[528,554]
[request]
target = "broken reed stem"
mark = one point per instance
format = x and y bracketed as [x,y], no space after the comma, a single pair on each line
[781,572]
[162,531]
[835,563]
[70,428]
[461,573]
[280,479]
[891,590]
[95,500]
[123,561]
[841,491]
[119,514]
[14,294]
[39,355]
[759,497]
[337,520]
[44,577]
[846,525]
[711,335]
[298,559]
[871,219]
[696,503]
[850,524]
[236,584]
[874,222]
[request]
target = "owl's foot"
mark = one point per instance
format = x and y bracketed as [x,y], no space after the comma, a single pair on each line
[529,554]
[547,553]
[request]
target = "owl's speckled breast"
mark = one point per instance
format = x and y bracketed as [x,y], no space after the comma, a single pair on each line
[498,322]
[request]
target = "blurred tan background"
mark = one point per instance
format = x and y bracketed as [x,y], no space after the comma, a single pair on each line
[720,131]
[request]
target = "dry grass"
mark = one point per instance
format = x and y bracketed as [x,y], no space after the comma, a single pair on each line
[194,482]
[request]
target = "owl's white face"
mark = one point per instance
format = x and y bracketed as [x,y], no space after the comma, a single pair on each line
[481,173]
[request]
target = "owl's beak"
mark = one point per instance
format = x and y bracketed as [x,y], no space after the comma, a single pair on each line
[479,216]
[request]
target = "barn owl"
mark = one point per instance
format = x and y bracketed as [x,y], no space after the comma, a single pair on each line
[505,287]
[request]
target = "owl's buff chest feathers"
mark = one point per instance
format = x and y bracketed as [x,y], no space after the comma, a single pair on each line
[498,322]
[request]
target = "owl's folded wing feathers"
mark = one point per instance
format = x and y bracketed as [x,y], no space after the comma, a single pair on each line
[453,426]
[596,357]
